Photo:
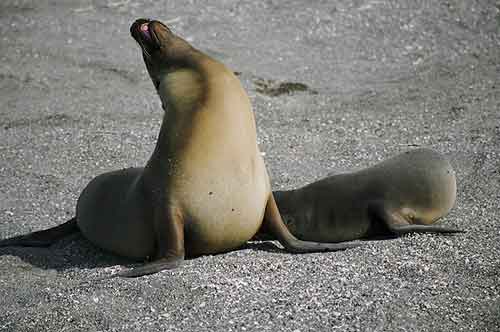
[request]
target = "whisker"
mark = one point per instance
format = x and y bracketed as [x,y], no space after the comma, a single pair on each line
[145,51]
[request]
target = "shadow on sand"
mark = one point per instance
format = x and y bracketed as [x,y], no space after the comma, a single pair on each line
[75,251]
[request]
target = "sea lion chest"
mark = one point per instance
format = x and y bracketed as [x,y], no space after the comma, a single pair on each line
[220,181]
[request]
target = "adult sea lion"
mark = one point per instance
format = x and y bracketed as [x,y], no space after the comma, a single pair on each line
[205,188]
[406,193]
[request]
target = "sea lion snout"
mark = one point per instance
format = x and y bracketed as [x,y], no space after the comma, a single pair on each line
[162,50]
[150,34]
[135,28]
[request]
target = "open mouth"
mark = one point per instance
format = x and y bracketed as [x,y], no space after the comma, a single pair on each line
[144,28]
[142,33]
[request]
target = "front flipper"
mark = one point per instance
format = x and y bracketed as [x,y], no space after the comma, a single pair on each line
[275,225]
[169,229]
[397,224]
[405,229]
[161,264]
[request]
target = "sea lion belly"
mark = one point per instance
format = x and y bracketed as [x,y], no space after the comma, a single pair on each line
[224,205]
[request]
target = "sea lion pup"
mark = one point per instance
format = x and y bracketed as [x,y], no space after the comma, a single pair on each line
[204,190]
[406,193]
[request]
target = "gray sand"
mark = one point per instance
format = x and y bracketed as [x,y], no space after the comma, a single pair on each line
[376,78]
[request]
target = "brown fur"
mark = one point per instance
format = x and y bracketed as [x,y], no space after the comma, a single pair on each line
[205,188]
[403,194]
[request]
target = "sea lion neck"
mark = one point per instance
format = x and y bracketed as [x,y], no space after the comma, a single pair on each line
[181,90]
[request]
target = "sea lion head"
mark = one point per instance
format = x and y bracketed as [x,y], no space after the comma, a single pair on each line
[162,50]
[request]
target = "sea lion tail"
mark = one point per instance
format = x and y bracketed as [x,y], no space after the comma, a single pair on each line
[276,226]
[42,238]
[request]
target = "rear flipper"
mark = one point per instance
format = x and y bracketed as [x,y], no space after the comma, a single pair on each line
[275,225]
[399,225]
[42,238]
